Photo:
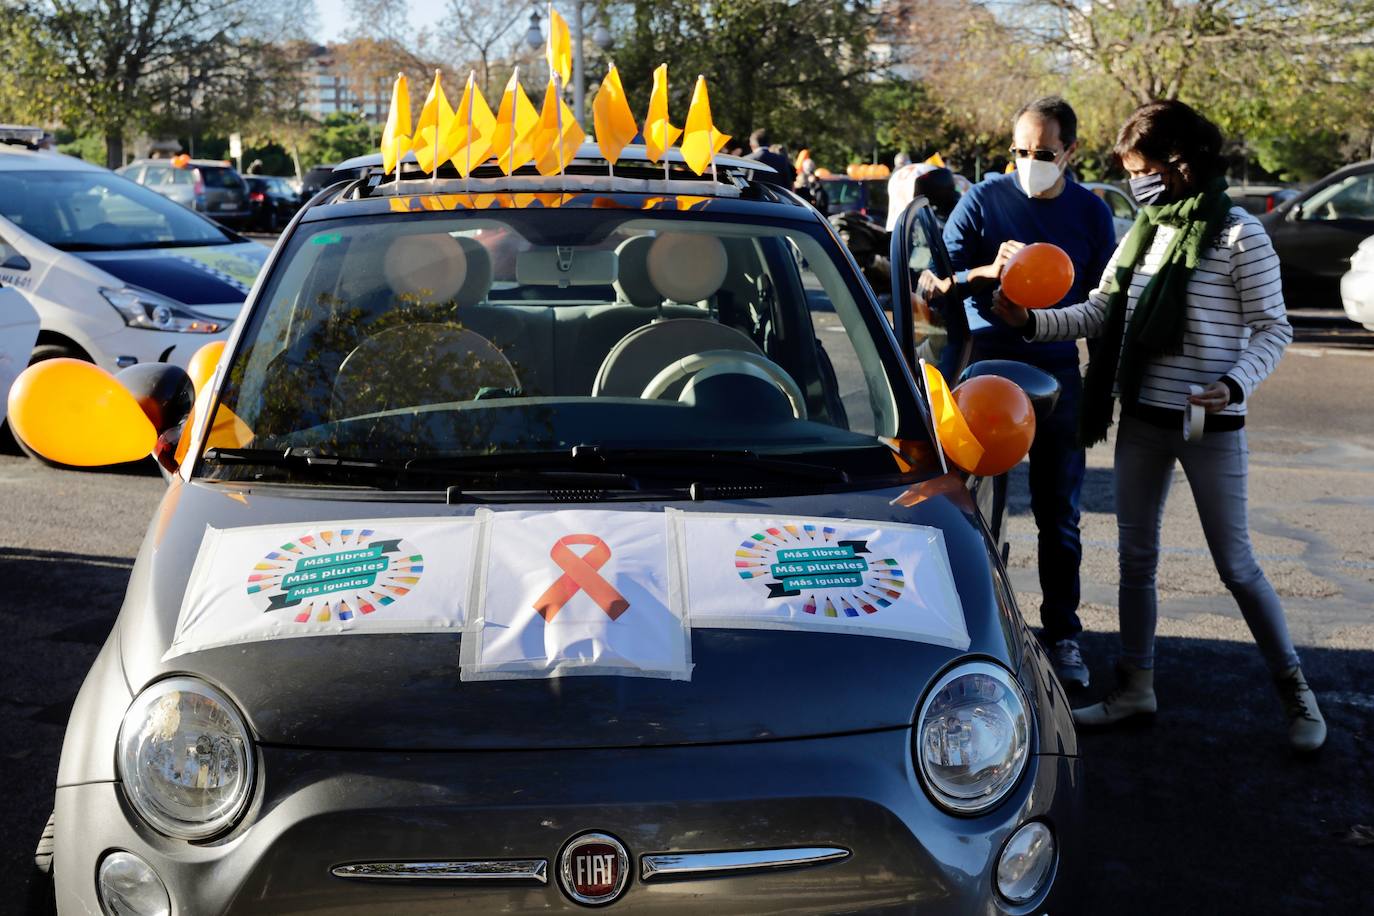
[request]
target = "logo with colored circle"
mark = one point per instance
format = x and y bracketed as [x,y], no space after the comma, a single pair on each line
[594,868]
[830,576]
[336,574]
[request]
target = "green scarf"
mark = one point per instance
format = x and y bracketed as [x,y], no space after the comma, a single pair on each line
[1159,318]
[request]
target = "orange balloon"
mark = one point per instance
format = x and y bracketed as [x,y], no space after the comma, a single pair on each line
[1038,276]
[1001,418]
[202,365]
[73,412]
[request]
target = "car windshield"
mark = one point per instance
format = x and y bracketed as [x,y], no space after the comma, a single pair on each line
[219,178]
[98,211]
[507,332]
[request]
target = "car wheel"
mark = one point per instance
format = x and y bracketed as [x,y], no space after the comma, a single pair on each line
[41,899]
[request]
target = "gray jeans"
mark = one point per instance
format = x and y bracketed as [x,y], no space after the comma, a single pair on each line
[1216,471]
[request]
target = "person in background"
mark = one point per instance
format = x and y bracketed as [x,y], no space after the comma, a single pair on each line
[811,188]
[1189,314]
[900,160]
[1039,202]
[760,152]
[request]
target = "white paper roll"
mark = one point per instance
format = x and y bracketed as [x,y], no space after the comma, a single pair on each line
[1194,417]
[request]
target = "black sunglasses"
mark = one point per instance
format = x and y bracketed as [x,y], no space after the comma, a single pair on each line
[1043,155]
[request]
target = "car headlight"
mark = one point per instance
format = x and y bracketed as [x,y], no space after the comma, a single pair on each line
[973,737]
[185,758]
[151,312]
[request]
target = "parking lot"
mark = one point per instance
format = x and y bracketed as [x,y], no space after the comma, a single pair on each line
[1206,811]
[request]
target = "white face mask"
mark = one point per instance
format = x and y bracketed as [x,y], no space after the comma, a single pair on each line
[1036,177]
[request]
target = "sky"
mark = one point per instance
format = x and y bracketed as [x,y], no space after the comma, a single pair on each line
[333,16]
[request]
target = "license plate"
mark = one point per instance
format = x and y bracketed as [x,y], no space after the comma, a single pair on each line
[229,206]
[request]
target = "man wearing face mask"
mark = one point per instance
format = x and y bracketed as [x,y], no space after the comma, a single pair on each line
[1039,202]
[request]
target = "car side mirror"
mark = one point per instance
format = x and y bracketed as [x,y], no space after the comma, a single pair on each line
[74,413]
[1041,387]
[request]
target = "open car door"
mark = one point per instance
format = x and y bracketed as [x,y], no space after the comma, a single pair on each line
[935,330]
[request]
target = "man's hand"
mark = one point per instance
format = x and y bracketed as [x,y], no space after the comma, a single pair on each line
[928,286]
[993,271]
[1213,398]
[1010,312]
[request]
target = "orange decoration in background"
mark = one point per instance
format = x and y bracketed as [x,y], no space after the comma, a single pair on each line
[201,368]
[1038,276]
[1002,419]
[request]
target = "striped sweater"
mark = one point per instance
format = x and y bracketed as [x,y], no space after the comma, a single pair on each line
[1237,327]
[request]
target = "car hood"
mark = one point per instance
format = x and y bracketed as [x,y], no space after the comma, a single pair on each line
[211,275]
[404,692]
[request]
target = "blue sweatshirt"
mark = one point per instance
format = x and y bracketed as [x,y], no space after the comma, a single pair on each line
[996,211]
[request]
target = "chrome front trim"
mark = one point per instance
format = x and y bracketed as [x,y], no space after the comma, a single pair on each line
[531,870]
[701,864]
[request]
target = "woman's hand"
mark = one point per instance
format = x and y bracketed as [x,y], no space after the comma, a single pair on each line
[1009,311]
[1213,398]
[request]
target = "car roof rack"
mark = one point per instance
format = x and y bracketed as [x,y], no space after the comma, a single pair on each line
[20,135]
[587,172]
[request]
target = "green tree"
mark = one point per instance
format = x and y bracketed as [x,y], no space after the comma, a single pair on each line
[343,135]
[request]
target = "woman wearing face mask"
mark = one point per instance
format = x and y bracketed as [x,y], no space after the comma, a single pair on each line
[1191,319]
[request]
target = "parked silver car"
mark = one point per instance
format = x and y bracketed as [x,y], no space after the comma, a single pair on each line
[551,542]
[209,186]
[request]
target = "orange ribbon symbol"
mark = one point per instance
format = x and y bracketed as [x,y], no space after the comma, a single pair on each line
[580,575]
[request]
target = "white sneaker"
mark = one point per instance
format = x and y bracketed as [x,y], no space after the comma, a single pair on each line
[1133,695]
[1306,727]
[1067,659]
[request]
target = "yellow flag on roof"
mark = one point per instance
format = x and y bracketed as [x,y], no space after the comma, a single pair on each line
[957,440]
[612,120]
[432,130]
[936,160]
[396,134]
[659,134]
[700,139]
[473,126]
[559,51]
[515,123]
[557,135]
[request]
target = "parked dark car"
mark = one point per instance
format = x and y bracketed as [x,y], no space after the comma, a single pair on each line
[316,180]
[208,186]
[707,625]
[1262,198]
[274,201]
[1316,232]
[847,195]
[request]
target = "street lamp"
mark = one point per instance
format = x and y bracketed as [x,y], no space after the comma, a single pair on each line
[534,37]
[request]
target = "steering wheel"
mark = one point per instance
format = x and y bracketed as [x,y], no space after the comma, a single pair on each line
[742,361]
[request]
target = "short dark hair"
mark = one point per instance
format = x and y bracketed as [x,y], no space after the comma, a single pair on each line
[759,137]
[1173,133]
[1053,107]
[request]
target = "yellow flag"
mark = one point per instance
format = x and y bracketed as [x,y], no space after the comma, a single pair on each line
[515,123]
[957,440]
[700,139]
[559,51]
[557,135]
[659,134]
[936,160]
[473,126]
[396,134]
[612,120]
[433,129]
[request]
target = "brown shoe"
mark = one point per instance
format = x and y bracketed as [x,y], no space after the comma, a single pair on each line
[1133,695]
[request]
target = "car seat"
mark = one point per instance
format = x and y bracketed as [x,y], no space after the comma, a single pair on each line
[679,267]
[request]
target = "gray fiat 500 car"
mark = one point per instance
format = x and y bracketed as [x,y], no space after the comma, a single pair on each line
[544,543]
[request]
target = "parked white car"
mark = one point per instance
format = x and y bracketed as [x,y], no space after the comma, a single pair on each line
[18,331]
[1119,202]
[1357,286]
[118,274]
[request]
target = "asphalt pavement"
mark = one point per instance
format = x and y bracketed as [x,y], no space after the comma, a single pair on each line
[1204,812]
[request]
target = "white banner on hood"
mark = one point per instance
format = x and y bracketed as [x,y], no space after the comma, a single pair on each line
[282,581]
[844,575]
[575,592]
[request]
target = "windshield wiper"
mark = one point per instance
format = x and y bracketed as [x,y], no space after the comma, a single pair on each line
[450,475]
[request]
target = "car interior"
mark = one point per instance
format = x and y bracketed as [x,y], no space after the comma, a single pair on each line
[379,318]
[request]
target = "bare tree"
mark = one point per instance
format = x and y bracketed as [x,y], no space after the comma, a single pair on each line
[479,29]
